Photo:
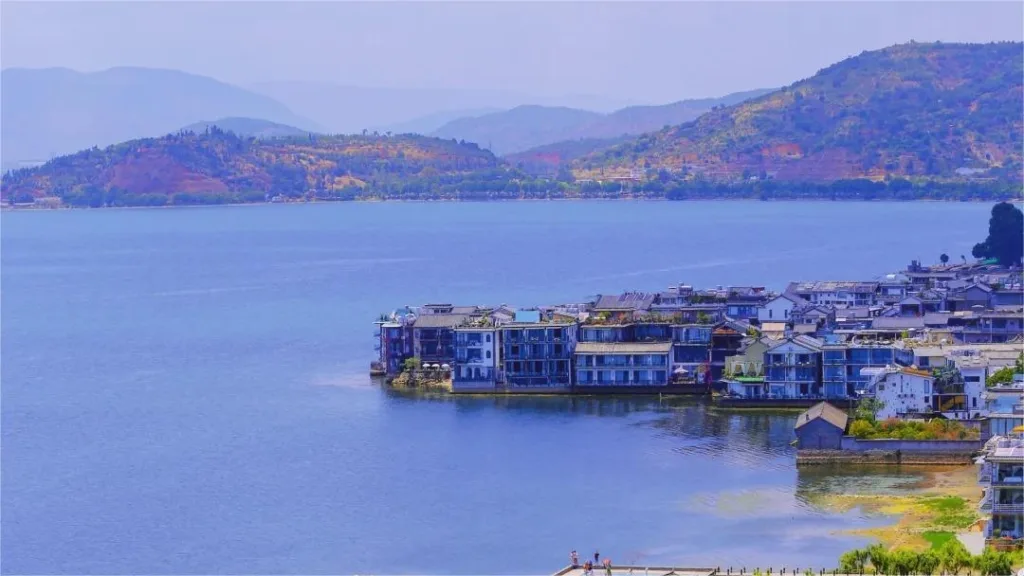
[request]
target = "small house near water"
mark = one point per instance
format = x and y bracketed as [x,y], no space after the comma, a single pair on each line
[821,427]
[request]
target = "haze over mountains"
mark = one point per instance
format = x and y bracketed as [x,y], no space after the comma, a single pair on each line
[57,111]
[525,127]
[914,120]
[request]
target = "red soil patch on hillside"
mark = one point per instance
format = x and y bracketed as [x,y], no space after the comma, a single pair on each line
[151,171]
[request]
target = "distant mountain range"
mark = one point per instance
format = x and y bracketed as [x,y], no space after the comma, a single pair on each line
[352,109]
[525,127]
[254,127]
[55,111]
[909,121]
[935,111]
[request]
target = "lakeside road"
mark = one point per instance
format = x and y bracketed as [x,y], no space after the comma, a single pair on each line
[943,503]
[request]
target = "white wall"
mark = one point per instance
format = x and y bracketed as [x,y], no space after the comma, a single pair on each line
[902,393]
[776,310]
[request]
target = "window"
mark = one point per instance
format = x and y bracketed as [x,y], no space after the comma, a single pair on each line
[769,312]
[488,353]
[972,378]
[487,337]
[974,402]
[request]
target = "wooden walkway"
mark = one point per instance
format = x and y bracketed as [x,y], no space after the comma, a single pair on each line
[639,571]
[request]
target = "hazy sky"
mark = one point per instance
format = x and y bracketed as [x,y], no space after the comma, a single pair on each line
[643,51]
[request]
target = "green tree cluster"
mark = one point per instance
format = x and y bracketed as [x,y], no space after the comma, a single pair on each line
[951,558]
[1005,374]
[1005,241]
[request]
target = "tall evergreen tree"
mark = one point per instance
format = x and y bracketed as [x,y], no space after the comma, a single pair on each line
[1005,240]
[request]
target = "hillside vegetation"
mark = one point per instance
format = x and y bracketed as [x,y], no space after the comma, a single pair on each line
[525,127]
[218,166]
[913,110]
[57,111]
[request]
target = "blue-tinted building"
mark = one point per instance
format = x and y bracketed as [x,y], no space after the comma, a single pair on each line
[637,364]
[842,364]
[538,355]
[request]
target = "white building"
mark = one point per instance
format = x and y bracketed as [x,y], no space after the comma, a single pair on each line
[904,392]
[476,358]
[778,309]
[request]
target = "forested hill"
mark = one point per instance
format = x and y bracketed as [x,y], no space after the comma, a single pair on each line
[219,166]
[924,111]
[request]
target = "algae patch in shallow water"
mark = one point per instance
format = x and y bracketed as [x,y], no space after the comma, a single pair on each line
[944,504]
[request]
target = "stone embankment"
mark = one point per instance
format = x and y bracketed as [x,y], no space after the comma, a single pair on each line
[903,457]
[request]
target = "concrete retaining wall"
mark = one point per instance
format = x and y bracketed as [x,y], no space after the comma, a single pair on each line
[925,446]
[826,457]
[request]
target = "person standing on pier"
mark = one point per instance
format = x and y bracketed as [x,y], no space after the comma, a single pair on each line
[597,558]
[574,559]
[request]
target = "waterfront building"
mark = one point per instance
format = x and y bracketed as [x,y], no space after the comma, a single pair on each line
[394,343]
[744,302]
[726,340]
[477,358]
[691,352]
[843,363]
[1001,475]
[744,371]
[538,355]
[821,427]
[836,293]
[624,307]
[622,364]
[904,392]
[434,336]
[793,368]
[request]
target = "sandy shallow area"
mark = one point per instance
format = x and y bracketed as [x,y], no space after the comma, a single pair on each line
[945,500]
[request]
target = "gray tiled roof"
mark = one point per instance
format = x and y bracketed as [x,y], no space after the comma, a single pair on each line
[623,347]
[825,411]
[440,320]
[898,323]
[625,301]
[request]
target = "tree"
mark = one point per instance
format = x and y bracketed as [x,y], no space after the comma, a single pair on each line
[1002,376]
[1005,241]
[954,556]
[944,258]
[868,408]
[410,364]
[852,562]
[993,563]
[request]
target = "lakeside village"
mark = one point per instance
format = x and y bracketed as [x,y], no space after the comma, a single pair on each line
[933,353]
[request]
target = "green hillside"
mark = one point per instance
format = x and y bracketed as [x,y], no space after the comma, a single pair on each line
[216,166]
[922,111]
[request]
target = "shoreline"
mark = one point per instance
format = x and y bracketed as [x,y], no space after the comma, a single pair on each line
[1014,200]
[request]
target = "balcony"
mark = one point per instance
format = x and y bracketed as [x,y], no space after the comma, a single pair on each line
[1008,481]
[1008,508]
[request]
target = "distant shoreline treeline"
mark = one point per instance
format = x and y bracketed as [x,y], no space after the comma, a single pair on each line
[497,190]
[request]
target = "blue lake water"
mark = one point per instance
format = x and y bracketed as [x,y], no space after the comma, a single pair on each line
[184,390]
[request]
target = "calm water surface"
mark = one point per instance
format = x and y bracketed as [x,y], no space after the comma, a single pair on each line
[184,390]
